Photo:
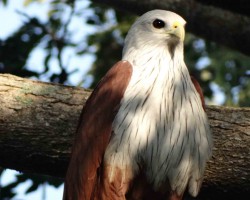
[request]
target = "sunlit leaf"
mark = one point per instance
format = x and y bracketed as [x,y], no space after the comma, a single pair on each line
[28,2]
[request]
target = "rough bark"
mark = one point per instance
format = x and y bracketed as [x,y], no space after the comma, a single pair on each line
[222,26]
[38,121]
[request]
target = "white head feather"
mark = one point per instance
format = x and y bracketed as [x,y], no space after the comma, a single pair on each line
[143,35]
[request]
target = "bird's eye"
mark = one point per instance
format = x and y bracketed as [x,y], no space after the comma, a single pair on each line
[158,23]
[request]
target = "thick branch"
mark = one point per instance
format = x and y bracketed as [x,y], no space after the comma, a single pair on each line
[239,6]
[38,120]
[213,23]
[37,123]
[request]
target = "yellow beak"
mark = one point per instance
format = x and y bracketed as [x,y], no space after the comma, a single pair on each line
[178,30]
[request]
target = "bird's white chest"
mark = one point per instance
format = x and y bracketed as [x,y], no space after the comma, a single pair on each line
[161,126]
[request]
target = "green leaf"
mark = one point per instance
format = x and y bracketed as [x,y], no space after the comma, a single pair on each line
[28,2]
[5,2]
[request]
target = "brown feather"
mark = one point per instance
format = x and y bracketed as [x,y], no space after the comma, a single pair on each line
[93,133]
[199,90]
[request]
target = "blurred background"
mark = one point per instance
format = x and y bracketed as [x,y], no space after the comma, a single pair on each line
[74,42]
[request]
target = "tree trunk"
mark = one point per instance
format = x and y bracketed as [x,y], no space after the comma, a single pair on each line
[38,121]
[223,26]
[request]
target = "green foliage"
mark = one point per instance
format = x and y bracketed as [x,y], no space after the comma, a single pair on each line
[53,36]
[107,43]
[4,2]
[231,71]
[13,59]
[210,63]
[7,192]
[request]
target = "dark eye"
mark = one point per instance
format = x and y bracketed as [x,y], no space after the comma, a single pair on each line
[158,23]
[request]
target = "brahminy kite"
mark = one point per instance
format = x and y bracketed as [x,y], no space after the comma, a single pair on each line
[143,133]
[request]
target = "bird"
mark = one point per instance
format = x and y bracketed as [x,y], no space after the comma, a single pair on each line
[143,132]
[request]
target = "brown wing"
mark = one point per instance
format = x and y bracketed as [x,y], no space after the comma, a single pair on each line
[94,131]
[199,90]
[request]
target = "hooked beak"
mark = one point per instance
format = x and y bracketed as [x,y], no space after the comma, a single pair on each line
[177,30]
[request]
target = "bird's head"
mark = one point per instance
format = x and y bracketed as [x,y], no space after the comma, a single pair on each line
[156,27]
[161,23]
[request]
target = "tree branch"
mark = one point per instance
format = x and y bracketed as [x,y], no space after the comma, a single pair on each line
[213,23]
[37,123]
[38,120]
[239,6]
